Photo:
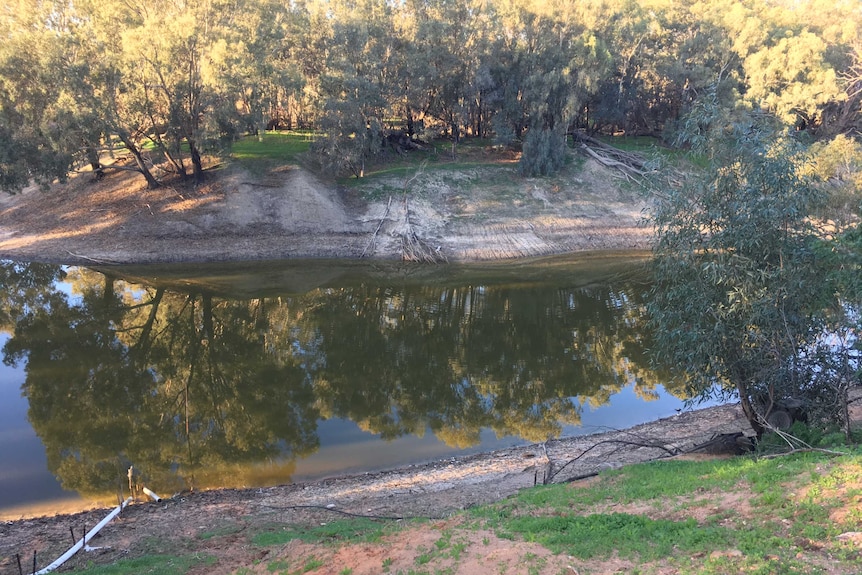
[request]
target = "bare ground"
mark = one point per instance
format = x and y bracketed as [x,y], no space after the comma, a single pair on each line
[483,213]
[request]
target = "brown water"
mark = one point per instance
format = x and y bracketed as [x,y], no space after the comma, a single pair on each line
[260,374]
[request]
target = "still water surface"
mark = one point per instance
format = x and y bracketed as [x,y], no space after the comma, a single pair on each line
[260,374]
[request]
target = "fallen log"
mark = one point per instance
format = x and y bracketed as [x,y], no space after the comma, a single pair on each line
[631,165]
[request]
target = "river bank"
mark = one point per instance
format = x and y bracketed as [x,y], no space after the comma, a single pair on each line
[433,490]
[471,214]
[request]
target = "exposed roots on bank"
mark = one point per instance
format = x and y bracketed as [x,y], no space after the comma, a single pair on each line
[414,248]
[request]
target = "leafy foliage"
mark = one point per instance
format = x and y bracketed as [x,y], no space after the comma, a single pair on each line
[544,153]
[740,299]
[189,78]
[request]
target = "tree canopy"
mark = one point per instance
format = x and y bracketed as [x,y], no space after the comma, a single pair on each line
[169,81]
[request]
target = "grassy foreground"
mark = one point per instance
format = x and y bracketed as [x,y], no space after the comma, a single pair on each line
[799,513]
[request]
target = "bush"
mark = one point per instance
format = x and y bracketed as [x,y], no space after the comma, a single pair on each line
[544,153]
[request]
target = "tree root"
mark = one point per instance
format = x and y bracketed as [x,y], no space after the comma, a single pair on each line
[414,248]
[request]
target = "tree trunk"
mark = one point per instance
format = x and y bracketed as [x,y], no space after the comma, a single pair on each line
[176,160]
[411,128]
[196,162]
[479,127]
[748,409]
[139,160]
[95,163]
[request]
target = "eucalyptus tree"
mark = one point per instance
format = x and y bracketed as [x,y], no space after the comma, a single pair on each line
[249,64]
[355,86]
[551,62]
[62,91]
[664,55]
[302,59]
[169,53]
[446,61]
[740,297]
[31,144]
[791,54]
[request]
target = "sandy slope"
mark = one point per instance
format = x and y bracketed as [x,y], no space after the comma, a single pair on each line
[477,214]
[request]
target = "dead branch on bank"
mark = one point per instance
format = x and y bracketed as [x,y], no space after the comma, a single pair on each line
[94,260]
[414,248]
[631,165]
[377,230]
[619,444]
[794,444]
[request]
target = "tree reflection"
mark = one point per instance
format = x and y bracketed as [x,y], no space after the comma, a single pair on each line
[195,389]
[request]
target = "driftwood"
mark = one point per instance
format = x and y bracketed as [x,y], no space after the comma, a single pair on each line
[552,470]
[631,165]
[377,230]
[726,444]
[414,248]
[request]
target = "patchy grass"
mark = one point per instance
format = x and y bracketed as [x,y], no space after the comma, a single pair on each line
[747,514]
[642,144]
[437,157]
[221,531]
[629,536]
[150,564]
[340,531]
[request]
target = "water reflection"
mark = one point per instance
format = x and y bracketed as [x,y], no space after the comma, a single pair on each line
[200,388]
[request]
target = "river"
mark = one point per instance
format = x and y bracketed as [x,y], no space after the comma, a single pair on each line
[256,374]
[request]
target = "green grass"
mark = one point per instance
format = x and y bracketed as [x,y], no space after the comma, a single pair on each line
[341,531]
[629,536]
[642,144]
[311,565]
[221,531]
[276,148]
[436,157]
[560,517]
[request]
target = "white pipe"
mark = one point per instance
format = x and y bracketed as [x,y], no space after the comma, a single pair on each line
[152,495]
[90,534]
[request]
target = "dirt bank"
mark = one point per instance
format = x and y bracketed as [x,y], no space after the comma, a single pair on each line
[480,213]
